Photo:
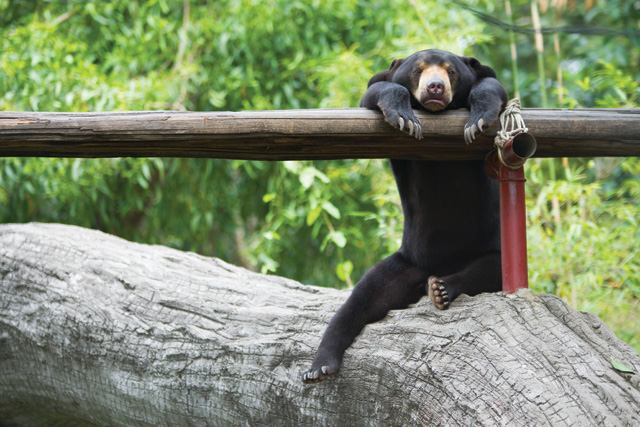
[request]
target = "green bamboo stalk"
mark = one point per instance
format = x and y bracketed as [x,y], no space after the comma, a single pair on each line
[556,47]
[540,51]
[514,52]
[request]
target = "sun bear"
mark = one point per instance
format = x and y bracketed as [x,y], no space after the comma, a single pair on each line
[451,238]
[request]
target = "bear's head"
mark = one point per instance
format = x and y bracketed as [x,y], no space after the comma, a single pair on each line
[437,79]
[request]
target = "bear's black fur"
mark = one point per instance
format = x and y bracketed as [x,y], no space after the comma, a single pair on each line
[451,239]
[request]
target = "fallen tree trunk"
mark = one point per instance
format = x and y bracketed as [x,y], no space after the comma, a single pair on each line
[97,330]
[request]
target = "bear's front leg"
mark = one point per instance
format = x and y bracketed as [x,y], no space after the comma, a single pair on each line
[394,101]
[486,101]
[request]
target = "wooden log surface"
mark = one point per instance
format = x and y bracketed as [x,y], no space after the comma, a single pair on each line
[95,330]
[304,134]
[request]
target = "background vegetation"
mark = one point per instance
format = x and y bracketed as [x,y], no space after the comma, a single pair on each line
[319,222]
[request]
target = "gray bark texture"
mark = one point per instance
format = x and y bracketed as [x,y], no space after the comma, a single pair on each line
[95,330]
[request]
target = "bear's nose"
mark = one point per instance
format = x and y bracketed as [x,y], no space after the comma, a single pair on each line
[435,87]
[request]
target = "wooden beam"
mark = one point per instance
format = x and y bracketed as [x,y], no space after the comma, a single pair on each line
[304,134]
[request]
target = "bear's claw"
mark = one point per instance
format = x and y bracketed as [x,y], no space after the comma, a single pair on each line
[312,375]
[470,132]
[438,293]
[414,127]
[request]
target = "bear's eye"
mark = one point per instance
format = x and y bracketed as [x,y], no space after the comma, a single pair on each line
[417,71]
[451,71]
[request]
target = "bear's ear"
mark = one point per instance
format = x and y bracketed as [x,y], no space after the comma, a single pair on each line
[480,70]
[395,64]
[384,75]
[473,63]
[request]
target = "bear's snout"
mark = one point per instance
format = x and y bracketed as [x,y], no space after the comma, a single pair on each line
[435,88]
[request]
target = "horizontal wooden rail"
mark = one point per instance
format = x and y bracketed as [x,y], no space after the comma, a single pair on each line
[304,134]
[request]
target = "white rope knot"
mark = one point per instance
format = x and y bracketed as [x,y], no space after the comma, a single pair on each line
[511,123]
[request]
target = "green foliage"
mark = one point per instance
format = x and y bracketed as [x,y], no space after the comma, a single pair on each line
[230,55]
[605,86]
[342,206]
[318,222]
[584,218]
[584,240]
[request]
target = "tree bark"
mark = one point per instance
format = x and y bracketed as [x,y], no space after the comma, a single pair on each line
[98,330]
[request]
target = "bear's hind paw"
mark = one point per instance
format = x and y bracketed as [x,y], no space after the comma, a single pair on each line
[438,293]
[312,375]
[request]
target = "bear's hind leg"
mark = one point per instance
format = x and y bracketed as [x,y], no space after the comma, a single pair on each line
[392,284]
[482,275]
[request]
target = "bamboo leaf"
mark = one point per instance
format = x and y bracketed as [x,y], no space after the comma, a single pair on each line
[621,367]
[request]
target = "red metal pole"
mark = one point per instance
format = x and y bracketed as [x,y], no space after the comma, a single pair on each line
[513,231]
[506,165]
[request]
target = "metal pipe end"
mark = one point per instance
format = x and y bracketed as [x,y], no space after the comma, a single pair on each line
[517,150]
